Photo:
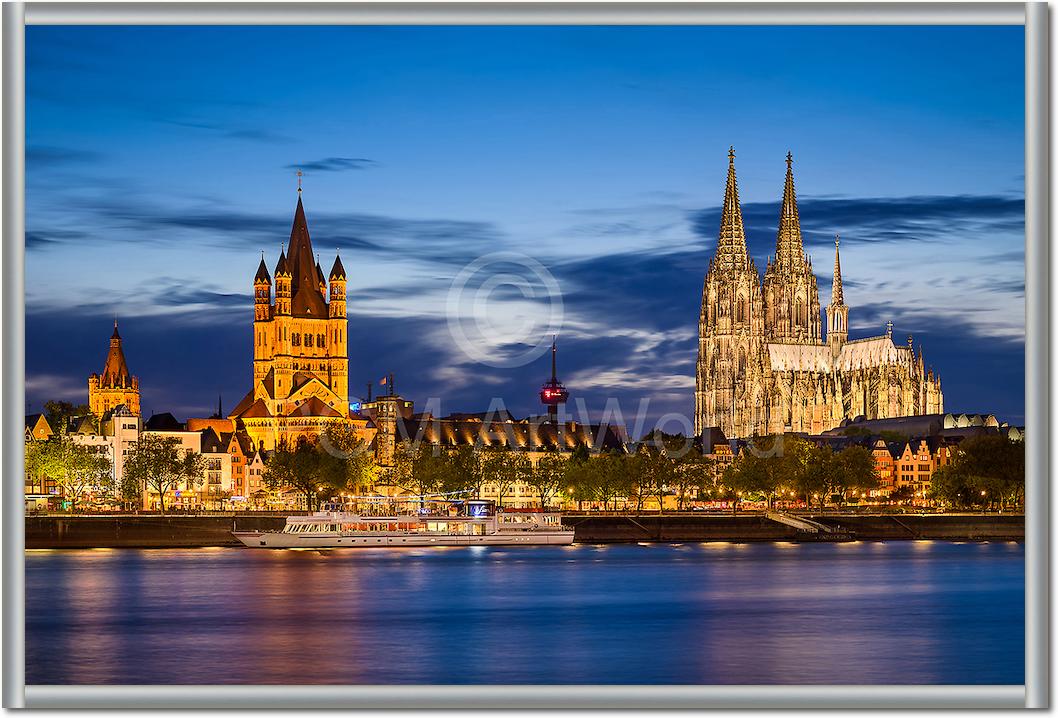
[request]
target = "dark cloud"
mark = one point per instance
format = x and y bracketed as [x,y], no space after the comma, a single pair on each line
[46,157]
[631,317]
[334,164]
[179,294]
[878,219]
[442,241]
[40,240]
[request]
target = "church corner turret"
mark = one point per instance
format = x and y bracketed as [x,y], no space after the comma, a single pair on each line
[837,312]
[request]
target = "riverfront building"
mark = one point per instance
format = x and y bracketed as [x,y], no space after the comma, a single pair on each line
[764,365]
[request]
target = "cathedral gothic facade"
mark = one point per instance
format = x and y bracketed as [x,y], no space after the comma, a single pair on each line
[764,365]
[300,347]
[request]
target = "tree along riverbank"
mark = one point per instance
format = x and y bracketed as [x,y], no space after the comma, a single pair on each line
[157,531]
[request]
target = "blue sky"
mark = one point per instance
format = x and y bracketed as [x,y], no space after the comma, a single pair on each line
[160,162]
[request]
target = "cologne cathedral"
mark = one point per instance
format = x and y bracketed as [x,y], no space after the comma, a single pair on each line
[764,366]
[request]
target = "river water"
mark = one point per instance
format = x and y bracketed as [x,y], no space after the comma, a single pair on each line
[707,613]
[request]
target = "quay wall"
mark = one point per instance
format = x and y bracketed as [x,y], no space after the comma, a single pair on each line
[756,527]
[154,531]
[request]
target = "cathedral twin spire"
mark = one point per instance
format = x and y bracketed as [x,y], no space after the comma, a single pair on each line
[731,244]
[789,246]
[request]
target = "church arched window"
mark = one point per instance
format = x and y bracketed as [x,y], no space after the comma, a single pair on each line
[740,309]
[800,317]
[742,363]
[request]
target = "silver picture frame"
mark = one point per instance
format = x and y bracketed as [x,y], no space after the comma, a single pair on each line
[1036,691]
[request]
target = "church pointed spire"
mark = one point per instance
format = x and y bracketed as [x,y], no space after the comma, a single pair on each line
[731,242]
[837,295]
[308,299]
[789,246]
[116,370]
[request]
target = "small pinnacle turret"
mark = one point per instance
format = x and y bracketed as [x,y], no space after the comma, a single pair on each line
[337,270]
[837,294]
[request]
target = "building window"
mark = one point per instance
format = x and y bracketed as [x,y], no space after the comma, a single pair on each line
[296,340]
[308,340]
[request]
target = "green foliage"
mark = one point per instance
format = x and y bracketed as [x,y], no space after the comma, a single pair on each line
[548,477]
[160,464]
[75,468]
[309,469]
[503,468]
[985,471]
[854,472]
[360,468]
[59,413]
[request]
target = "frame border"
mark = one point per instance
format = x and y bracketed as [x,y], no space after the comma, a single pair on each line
[1037,357]
[1034,16]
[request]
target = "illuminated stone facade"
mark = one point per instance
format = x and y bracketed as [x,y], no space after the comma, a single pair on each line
[764,366]
[300,349]
[115,386]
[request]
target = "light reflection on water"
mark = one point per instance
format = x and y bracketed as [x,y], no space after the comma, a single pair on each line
[721,613]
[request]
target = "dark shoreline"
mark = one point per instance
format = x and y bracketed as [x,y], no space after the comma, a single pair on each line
[154,531]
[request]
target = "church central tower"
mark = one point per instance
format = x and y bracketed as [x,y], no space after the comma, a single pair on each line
[300,349]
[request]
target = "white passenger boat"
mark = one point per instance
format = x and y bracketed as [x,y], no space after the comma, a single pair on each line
[469,523]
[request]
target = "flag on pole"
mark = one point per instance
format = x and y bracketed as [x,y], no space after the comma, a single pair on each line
[382,381]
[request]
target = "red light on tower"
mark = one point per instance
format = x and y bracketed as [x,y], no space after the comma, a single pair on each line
[553,393]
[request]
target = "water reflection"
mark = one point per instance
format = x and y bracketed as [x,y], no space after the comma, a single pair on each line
[898,612]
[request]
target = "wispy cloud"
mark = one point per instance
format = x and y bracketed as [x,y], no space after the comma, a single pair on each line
[334,164]
[45,156]
[230,131]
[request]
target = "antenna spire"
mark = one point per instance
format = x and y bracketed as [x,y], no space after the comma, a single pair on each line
[554,349]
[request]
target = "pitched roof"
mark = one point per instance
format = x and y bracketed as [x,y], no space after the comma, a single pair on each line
[313,406]
[212,442]
[244,441]
[524,434]
[257,410]
[162,422]
[243,404]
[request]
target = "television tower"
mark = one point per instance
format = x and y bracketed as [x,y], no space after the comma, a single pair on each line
[553,393]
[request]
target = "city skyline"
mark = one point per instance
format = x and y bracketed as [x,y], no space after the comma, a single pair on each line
[603,164]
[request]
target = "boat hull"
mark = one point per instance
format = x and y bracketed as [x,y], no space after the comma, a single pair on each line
[261,539]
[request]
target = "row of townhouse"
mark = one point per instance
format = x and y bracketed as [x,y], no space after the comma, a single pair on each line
[234,468]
